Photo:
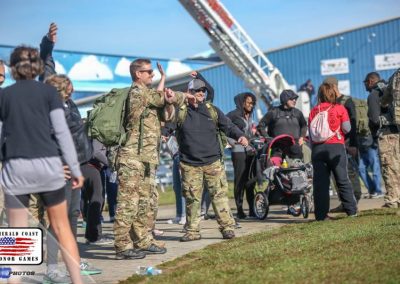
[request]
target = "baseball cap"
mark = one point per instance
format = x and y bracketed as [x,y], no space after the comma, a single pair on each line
[331,80]
[287,95]
[196,84]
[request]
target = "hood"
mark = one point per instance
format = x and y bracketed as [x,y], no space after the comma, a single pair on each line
[239,100]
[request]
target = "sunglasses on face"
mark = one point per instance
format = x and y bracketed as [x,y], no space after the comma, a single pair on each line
[202,90]
[292,99]
[148,71]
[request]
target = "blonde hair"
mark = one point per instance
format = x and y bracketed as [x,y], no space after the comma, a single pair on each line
[25,63]
[61,83]
[328,93]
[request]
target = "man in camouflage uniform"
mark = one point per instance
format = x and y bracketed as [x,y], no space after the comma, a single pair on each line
[137,161]
[201,160]
[383,112]
[351,144]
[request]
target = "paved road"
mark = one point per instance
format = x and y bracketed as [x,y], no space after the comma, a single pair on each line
[115,270]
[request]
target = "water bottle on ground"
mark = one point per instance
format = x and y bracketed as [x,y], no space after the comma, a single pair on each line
[148,270]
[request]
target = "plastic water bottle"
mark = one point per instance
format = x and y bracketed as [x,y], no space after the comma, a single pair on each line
[148,270]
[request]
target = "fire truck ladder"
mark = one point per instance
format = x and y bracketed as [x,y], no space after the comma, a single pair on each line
[237,49]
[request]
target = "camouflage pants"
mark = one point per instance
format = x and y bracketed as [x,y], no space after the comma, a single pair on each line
[153,210]
[215,178]
[38,212]
[389,155]
[133,203]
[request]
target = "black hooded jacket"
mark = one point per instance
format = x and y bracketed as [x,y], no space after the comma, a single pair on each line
[237,117]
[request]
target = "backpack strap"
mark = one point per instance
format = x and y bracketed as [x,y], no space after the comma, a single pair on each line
[214,115]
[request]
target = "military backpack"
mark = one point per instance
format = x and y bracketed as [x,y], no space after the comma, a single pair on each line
[391,97]
[107,118]
[222,140]
[361,107]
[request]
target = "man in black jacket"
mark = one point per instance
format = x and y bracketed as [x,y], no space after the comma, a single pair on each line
[384,128]
[201,156]
[242,157]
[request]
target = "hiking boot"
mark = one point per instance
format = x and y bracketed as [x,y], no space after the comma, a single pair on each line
[389,205]
[153,249]
[101,241]
[229,234]
[56,276]
[338,209]
[88,269]
[188,237]
[130,254]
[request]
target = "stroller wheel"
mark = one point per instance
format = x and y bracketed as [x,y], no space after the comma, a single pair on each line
[305,206]
[261,205]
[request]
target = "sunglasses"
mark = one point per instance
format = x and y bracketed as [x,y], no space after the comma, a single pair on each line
[292,99]
[193,91]
[148,71]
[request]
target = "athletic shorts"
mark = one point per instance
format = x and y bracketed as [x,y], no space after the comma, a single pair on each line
[49,198]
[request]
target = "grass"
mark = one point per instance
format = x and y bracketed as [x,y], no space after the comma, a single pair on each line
[349,250]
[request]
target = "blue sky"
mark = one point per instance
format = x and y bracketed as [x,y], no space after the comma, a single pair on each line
[163,28]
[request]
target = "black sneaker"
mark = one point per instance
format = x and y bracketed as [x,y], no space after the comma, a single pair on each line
[130,254]
[241,215]
[228,234]
[153,249]
[338,209]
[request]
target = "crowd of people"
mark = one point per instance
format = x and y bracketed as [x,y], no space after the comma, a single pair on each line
[49,162]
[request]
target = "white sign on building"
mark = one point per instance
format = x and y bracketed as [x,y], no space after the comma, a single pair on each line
[344,87]
[334,66]
[387,61]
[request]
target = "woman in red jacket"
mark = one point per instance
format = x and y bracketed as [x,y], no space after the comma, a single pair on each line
[329,153]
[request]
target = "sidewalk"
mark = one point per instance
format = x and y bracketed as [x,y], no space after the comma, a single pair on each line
[115,270]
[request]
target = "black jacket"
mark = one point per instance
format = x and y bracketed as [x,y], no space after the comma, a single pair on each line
[75,124]
[237,115]
[198,140]
[280,120]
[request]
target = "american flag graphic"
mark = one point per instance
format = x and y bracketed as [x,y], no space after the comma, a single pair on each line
[12,246]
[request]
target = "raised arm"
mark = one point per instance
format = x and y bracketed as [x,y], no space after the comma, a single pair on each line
[46,52]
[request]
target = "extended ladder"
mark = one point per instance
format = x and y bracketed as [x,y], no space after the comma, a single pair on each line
[237,49]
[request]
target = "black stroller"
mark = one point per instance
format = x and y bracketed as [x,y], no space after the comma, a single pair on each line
[289,182]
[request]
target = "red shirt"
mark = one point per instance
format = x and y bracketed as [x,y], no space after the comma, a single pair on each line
[337,114]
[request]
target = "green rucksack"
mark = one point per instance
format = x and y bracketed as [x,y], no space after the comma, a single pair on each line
[361,107]
[107,118]
[182,113]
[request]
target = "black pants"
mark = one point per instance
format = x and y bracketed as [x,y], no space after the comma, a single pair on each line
[327,159]
[92,193]
[242,164]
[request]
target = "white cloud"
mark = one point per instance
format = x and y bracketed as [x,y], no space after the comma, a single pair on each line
[122,68]
[90,68]
[59,68]
[176,67]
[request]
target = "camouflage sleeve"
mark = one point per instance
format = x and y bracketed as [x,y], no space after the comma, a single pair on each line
[180,99]
[155,98]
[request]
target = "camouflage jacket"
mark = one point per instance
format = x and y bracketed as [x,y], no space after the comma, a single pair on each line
[147,108]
